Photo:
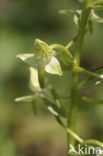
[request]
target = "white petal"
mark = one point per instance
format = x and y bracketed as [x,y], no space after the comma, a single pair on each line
[25,98]
[53,67]
[34,83]
[28,58]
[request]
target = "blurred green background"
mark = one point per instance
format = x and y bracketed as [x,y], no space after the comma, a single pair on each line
[22,133]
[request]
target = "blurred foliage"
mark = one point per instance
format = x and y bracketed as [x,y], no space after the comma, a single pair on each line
[21,22]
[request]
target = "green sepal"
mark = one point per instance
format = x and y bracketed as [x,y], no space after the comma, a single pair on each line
[41,76]
[28,98]
[62,53]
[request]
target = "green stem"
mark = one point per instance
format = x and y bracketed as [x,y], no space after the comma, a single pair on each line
[97,2]
[92,100]
[71,43]
[74,89]
[93,142]
[85,71]
[75,136]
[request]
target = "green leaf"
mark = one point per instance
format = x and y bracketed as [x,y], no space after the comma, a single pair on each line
[33,82]
[95,17]
[53,108]
[53,67]
[62,53]
[25,98]
[41,76]
[29,59]
[91,81]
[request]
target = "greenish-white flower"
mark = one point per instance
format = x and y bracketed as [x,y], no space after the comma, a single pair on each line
[43,59]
